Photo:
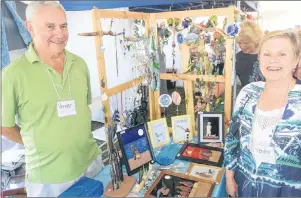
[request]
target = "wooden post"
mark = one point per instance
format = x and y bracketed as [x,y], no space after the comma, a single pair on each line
[228,71]
[188,86]
[154,106]
[101,66]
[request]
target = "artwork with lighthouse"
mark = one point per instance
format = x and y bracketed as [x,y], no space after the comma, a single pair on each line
[211,127]
[181,128]
[208,129]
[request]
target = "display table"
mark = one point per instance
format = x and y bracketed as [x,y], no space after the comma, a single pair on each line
[219,190]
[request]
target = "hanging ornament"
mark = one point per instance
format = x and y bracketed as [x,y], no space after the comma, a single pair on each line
[186,22]
[165,100]
[170,22]
[167,33]
[177,21]
[176,98]
[155,67]
[232,29]
[180,38]
[212,22]
[195,29]
[191,37]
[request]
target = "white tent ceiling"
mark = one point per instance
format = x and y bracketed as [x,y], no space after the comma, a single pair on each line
[276,15]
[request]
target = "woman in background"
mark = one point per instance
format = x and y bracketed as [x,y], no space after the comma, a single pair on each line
[263,144]
[246,65]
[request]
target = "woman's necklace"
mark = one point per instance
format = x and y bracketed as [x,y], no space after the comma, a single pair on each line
[264,121]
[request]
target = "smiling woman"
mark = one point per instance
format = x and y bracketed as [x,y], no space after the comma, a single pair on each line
[279,55]
[262,147]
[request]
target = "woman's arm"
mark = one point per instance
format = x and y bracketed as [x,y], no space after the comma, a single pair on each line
[231,155]
[232,139]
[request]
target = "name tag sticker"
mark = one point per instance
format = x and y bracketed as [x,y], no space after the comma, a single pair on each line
[265,154]
[66,108]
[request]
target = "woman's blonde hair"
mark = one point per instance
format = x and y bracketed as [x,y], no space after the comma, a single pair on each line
[298,33]
[249,32]
[290,35]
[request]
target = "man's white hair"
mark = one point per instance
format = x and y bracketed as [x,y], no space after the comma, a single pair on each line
[34,5]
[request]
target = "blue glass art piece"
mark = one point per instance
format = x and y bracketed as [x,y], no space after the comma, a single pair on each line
[180,38]
[165,100]
[167,154]
[232,29]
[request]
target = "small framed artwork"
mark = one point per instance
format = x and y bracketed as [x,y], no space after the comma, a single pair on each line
[181,128]
[211,127]
[205,172]
[158,132]
[135,147]
[171,184]
[201,154]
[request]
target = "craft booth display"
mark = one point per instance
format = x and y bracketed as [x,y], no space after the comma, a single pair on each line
[205,45]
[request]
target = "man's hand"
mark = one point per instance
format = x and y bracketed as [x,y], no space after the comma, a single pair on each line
[12,133]
[231,185]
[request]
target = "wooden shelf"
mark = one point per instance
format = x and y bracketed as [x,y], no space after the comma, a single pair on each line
[121,14]
[195,13]
[122,87]
[192,77]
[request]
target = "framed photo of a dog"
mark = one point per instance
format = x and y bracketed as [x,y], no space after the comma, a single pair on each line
[211,127]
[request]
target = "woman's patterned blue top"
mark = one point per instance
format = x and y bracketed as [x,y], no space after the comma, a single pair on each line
[280,179]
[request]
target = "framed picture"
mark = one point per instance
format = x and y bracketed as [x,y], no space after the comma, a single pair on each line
[181,128]
[211,173]
[135,147]
[201,154]
[158,133]
[211,127]
[171,184]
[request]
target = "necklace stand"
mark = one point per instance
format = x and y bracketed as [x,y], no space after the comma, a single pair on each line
[123,191]
[120,185]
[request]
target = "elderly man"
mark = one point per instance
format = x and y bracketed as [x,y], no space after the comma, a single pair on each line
[48,89]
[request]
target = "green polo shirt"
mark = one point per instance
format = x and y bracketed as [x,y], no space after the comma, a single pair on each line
[57,149]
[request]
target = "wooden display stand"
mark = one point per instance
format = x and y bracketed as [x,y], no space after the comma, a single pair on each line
[129,182]
[190,78]
[151,22]
[123,191]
